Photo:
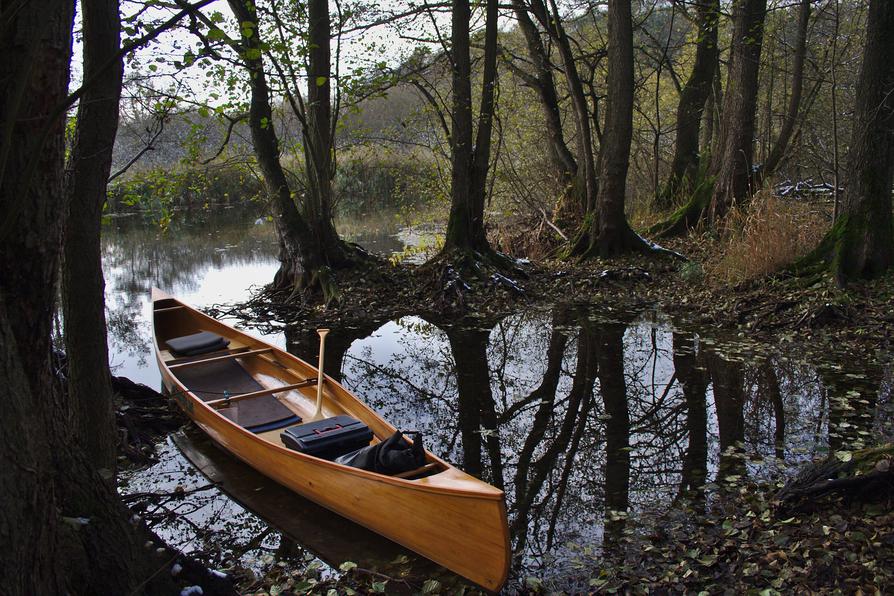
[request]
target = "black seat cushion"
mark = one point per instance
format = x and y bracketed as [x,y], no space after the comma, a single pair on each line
[197,343]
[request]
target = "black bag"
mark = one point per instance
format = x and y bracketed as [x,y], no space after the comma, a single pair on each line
[328,438]
[391,456]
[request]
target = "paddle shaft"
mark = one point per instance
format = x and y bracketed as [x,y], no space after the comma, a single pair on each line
[318,414]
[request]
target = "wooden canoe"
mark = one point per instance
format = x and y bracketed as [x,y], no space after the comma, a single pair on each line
[246,394]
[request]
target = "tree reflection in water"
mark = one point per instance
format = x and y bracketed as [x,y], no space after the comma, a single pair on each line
[587,423]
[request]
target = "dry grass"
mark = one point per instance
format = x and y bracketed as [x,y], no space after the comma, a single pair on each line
[770,235]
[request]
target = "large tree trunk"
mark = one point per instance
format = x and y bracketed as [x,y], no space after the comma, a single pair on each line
[774,159]
[89,382]
[36,47]
[730,169]
[63,528]
[695,94]
[469,162]
[609,234]
[863,236]
[731,166]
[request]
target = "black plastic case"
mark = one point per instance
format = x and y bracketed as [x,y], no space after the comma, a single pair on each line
[328,438]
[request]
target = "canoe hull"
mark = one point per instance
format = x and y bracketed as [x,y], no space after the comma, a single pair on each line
[451,518]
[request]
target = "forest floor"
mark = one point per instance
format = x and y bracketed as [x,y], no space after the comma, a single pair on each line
[745,543]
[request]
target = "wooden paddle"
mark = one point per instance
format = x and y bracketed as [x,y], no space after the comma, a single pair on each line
[318,414]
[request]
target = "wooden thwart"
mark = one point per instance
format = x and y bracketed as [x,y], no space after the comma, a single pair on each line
[168,308]
[219,358]
[227,401]
[429,467]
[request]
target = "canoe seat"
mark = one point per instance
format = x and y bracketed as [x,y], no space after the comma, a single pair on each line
[197,343]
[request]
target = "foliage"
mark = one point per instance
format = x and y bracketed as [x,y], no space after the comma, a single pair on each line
[158,192]
[381,180]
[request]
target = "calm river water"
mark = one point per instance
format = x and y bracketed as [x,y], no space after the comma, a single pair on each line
[589,421]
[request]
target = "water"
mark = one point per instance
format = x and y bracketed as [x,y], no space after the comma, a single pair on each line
[586,419]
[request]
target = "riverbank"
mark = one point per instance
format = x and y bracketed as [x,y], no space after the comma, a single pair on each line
[812,312]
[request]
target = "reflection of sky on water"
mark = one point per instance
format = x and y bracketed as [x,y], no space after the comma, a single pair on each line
[220,262]
[212,258]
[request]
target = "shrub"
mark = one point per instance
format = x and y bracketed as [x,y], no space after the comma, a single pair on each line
[770,235]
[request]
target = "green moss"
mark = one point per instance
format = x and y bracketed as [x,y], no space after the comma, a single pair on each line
[687,216]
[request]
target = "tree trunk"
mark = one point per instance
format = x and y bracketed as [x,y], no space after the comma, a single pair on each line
[774,159]
[63,528]
[563,160]
[587,183]
[609,234]
[36,49]
[318,141]
[300,255]
[89,381]
[864,234]
[695,94]
[470,162]
[731,166]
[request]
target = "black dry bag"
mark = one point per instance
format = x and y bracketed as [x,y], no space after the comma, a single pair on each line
[391,456]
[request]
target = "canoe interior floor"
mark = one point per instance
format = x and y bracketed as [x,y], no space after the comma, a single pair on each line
[216,380]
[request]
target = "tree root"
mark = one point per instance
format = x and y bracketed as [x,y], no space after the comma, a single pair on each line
[628,242]
[853,476]
[456,274]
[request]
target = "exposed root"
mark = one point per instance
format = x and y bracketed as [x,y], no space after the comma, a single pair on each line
[862,475]
[455,274]
[316,284]
[626,242]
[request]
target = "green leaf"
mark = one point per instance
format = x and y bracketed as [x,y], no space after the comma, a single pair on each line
[430,586]
[153,67]
[844,456]
[379,587]
[216,34]
[347,566]
[321,81]
[534,583]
